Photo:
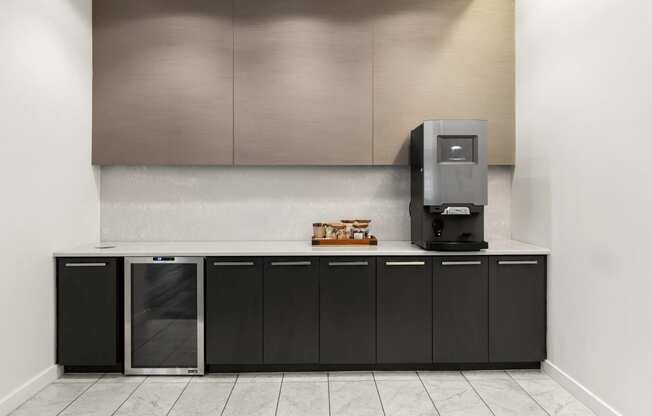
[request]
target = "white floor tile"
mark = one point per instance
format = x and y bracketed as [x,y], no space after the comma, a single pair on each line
[486,375]
[506,398]
[303,399]
[260,377]
[215,378]
[395,375]
[51,400]
[100,399]
[167,379]
[253,399]
[79,378]
[441,375]
[553,398]
[405,398]
[305,377]
[528,375]
[202,399]
[350,376]
[152,399]
[453,395]
[119,378]
[354,398]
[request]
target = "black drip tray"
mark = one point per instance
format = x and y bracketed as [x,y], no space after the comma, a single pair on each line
[455,245]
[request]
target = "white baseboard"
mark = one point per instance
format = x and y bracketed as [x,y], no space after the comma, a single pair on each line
[17,397]
[593,402]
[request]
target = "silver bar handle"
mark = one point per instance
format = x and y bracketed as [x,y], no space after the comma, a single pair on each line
[233,263]
[461,263]
[405,263]
[348,263]
[85,264]
[291,263]
[516,262]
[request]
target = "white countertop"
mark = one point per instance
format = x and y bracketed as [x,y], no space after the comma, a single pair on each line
[284,248]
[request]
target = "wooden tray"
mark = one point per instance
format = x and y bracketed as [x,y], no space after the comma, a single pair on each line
[371,241]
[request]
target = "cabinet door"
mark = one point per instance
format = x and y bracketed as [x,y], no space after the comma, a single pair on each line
[290,312]
[347,315]
[461,314]
[404,321]
[234,310]
[442,59]
[88,314]
[162,82]
[517,309]
[303,82]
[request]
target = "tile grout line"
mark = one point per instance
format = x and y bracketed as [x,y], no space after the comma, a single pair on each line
[79,395]
[278,398]
[428,393]
[477,393]
[328,385]
[31,397]
[230,393]
[129,396]
[382,407]
[528,393]
[178,397]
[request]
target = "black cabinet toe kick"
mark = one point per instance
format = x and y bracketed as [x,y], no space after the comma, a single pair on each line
[366,367]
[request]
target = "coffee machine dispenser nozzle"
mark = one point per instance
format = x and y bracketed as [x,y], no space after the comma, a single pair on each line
[456,211]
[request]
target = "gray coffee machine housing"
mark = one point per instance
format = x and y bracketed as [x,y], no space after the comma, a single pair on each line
[448,174]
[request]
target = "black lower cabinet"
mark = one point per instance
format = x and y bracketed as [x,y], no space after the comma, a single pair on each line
[347,317]
[234,310]
[291,309]
[517,299]
[89,312]
[404,310]
[461,312]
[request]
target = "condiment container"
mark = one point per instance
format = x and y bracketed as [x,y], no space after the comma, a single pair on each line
[318,230]
[335,230]
[349,227]
[330,231]
[360,230]
[340,232]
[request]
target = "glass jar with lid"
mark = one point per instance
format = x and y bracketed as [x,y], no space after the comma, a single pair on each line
[360,230]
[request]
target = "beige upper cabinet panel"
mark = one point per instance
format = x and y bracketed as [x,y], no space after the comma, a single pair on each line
[443,59]
[163,82]
[303,82]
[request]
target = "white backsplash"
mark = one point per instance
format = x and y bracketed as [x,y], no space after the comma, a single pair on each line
[267,203]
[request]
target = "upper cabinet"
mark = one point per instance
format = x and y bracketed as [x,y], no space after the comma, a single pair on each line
[303,71]
[443,59]
[163,82]
[295,82]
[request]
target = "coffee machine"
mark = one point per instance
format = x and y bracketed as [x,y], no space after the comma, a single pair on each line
[448,175]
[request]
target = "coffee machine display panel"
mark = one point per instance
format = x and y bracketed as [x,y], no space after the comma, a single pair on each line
[457,149]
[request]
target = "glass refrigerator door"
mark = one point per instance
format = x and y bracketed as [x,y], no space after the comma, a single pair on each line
[164,316]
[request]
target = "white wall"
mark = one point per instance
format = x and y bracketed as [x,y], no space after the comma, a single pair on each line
[267,203]
[49,189]
[583,185]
